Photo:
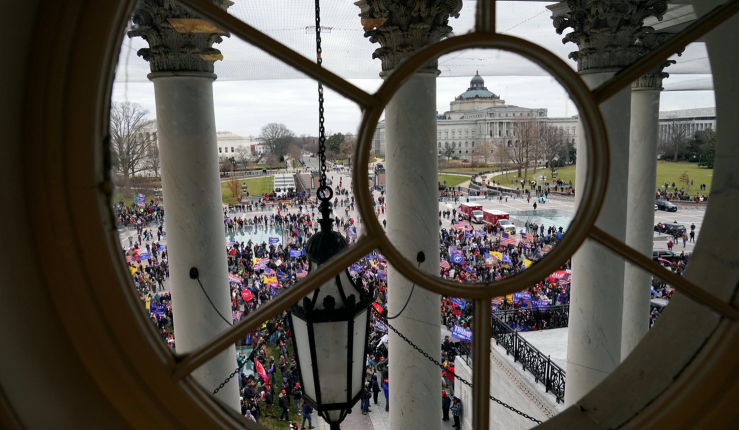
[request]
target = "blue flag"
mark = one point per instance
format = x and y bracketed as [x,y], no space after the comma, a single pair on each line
[274,240]
[458,302]
[461,333]
[295,253]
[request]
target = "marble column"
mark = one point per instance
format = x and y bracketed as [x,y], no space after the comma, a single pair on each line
[606,37]
[412,202]
[640,204]
[181,59]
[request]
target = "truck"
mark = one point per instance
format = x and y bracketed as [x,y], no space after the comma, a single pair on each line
[492,216]
[472,212]
[499,218]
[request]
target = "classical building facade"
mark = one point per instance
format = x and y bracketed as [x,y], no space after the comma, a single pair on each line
[477,115]
[688,121]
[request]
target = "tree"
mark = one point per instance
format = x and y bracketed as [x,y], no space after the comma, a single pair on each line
[271,159]
[684,178]
[311,147]
[706,156]
[448,152]
[295,153]
[152,159]
[484,152]
[525,139]
[130,145]
[334,142]
[244,154]
[225,165]
[233,186]
[675,141]
[277,137]
[553,144]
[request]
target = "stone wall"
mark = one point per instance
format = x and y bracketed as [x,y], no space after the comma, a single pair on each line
[511,385]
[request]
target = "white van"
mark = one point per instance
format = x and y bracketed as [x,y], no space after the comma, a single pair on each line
[507,226]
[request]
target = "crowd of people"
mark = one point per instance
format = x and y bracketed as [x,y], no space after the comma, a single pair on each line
[258,272]
[673,192]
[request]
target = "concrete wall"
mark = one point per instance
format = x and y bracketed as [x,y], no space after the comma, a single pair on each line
[511,385]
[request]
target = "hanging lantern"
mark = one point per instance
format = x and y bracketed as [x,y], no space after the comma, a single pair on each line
[330,329]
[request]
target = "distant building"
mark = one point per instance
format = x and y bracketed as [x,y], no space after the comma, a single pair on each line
[477,115]
[229,143]
[689,120]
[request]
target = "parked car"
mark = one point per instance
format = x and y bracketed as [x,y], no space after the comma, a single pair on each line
[664,254]
[675,230]
[666,206]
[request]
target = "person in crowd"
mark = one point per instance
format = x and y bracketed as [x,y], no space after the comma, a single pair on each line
[307,411]
[457,410]
[284,404]
[446,403]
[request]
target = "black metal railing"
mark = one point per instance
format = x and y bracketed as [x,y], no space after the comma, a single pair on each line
[535,319]
[532,360]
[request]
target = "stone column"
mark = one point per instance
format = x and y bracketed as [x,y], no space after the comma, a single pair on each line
[605,33]
[640,204]
[181,60]
[412,193]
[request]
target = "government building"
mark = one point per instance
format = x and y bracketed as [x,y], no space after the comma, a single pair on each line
[478,115]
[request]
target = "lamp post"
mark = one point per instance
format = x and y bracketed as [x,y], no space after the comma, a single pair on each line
[330,326]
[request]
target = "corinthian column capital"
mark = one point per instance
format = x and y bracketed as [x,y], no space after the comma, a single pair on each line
[606,31]
[402,27]
[179,41]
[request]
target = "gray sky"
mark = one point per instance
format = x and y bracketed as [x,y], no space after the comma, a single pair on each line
[243,107]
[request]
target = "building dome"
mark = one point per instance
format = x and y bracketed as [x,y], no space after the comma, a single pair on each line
[477,89]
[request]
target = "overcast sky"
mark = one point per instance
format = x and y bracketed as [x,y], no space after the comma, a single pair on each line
[243,107]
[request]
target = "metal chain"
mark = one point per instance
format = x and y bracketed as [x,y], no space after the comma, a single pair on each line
[430,358]
[322,131]
[226,381]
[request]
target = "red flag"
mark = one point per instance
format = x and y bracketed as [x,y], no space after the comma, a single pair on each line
[378,308]
[260,370]
[246,295]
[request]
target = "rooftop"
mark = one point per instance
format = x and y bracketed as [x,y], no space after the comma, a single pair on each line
[689,113]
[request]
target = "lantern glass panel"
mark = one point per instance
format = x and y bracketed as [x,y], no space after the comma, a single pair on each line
[332,289]
[358,354]
[334,416]
[303,349]
[331,359]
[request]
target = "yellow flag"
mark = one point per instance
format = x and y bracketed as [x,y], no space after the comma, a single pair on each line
[147,302]
[527,263]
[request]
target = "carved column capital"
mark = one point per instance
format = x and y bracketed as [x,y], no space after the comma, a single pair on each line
[606,31]
[654,79]
[402,27]
[179,41]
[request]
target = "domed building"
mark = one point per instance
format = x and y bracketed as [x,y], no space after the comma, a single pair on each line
[479,115]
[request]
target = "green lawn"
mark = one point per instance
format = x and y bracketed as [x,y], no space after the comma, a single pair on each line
[667,172]
[470,169]
[273,423]
[452,180]
[255,186]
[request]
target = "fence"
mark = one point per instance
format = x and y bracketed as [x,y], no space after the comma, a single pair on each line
[532,360]
[535,319]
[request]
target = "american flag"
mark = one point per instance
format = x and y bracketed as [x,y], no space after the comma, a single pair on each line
[507,239]
[300,273]
[527,236]
[498,301]
[444,264]
[564,282]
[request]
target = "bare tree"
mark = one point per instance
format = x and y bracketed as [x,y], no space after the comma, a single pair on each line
[271,159]
[243,154]
[484,152]
[129,143]
[524,145]
[448,152]
[676,139]
[312,146]
[277,137]
[295,152]
[553,144]
[152,159]
[234,187]
[225,165]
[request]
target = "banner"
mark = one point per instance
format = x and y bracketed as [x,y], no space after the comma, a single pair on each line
[160,248]
[144,256]
[380,325]
[479,233]
[234,278]
[382,275]
[154,308]
[295,253]
[462,333]
[278,262]
[271,281]
[246,295]
[351,233]
[540,304]
[458,302]
[467,235]
[260,262]
[274,240]
[282,276]
[378,308]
